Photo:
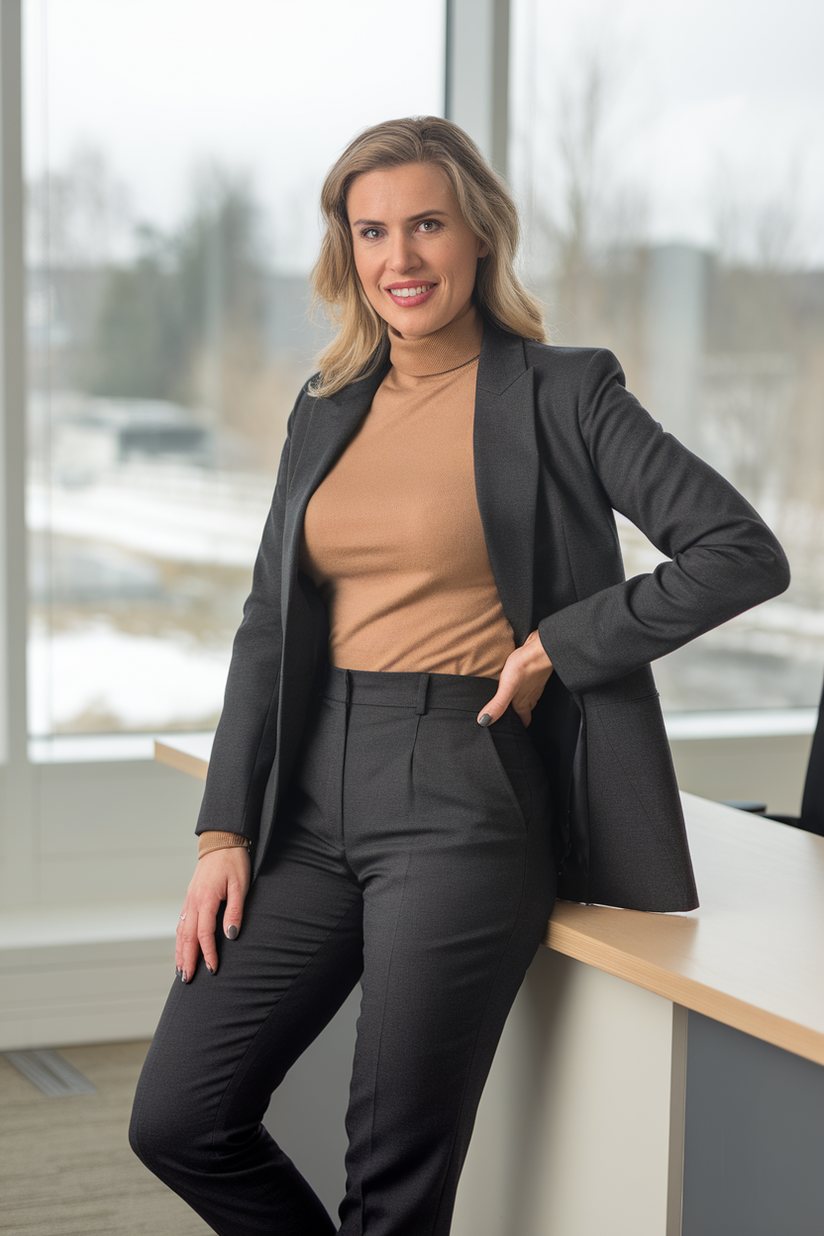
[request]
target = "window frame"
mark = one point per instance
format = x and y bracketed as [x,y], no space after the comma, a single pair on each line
[17,879]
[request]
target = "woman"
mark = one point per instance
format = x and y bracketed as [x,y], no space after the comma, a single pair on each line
[439,700]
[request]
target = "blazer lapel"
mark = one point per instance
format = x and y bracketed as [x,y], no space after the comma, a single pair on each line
[331,424]
[506,471]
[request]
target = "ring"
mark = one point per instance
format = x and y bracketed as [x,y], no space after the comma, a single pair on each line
[183,916]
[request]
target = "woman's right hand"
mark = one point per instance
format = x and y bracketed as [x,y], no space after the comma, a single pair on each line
[221,875]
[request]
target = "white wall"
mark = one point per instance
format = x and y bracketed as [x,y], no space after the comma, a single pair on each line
[766,768]
[90,957]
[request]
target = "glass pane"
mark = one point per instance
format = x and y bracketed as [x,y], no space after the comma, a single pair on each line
[670,166]
[174,153]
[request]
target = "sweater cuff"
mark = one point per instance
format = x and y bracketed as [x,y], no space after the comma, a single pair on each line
[212,840]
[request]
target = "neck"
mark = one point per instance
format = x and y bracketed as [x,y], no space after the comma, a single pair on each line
[453,345]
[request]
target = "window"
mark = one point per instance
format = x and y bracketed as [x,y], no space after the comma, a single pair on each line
[174,153]
[669,166]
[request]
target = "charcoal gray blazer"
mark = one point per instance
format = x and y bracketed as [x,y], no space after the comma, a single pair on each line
[559,444]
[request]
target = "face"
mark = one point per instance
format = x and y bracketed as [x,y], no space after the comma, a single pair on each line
[415,255]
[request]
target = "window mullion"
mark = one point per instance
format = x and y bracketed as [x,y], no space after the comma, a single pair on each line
[477,73]
[18,854]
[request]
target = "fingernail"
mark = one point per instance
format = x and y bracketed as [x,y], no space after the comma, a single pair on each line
[183,976]
[209,968]
[231,932]
[178,972]
[485,718]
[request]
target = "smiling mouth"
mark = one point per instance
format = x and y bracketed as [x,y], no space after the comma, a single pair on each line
[405,293]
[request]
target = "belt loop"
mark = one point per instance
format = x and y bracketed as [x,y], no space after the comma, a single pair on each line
[423,686]
[347,687]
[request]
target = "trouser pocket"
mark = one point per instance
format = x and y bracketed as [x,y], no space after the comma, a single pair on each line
[517,765]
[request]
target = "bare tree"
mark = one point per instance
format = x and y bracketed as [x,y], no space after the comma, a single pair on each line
[78,215]
[563,221]
[585,222]
[760,231]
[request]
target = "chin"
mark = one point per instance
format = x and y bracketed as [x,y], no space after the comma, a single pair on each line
[412,322]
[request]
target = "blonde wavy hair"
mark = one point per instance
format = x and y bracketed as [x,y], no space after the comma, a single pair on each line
[361,341]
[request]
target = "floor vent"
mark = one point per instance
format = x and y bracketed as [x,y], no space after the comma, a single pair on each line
[49,1072]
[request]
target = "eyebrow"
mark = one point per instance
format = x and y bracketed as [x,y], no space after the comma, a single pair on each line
[425,214]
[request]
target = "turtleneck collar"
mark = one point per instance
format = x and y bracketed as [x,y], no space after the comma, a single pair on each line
[453,345]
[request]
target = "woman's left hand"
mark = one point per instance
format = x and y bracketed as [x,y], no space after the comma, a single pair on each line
[525,674]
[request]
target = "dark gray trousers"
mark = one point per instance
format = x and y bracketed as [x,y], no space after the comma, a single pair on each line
[412,853]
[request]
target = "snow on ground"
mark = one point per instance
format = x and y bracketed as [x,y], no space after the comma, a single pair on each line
[175,514]
[98,677]
[141,683]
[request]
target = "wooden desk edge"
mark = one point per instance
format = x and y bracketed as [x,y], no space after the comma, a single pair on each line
[194,765]
[761,1024]
[798,1039]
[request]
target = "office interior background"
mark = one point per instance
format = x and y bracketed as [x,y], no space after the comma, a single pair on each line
[161,164]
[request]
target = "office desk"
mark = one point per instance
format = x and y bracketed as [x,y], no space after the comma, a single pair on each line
[653,1060]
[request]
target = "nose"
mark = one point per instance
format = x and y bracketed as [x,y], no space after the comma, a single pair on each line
[403,256]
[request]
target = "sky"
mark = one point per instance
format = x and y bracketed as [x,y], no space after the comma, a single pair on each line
[708,103]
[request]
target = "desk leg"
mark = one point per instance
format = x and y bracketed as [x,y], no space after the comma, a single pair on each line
[581,1127]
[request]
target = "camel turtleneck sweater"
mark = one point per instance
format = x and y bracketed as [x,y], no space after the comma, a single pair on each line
[392,535]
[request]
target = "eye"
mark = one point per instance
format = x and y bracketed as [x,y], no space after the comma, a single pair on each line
[429,225]
[370,233]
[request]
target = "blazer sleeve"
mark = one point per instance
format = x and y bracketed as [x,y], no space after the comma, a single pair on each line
[246,733]
[722,558]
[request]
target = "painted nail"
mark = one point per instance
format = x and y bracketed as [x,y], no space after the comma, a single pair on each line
[485,718]
[231,932]
[183,976]
[209,968]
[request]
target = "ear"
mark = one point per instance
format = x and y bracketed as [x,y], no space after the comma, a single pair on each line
[483,248]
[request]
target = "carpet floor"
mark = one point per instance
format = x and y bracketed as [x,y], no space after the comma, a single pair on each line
[65,1163]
